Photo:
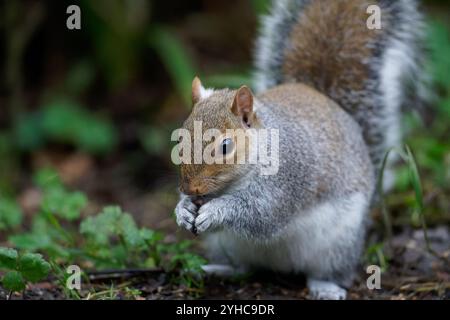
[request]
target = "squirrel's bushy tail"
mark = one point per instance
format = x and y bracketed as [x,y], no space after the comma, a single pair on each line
[328,45]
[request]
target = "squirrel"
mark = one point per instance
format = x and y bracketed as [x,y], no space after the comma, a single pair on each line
[334,89]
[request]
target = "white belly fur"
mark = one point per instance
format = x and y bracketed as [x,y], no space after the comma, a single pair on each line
[310,244]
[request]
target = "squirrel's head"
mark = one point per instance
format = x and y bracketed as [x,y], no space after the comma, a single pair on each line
[217,111]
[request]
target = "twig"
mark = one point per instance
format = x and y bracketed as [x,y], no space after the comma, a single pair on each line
[121,273]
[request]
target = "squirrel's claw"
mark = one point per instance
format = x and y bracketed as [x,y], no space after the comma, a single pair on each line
[186,214]
[202,223]
[207,217]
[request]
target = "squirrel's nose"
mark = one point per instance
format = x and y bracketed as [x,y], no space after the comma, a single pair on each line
[189,188]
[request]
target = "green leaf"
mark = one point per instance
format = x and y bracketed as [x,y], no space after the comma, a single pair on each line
[150,236]
[112,222]
[375,255]
[415,177]
[229,80]
[28,132]
[97,136]
[8,162]
[439,47]
[131,234]
[64,204]
[8,258]
[13,281]
[260,6]
[33,267]
[67,122]
[113,239]
[80,77]
[47,179]
[154,140]
[31,241]
[174,55]
[102,226]
[10,214]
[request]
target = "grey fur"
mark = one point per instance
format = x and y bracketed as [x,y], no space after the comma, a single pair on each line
[324,168]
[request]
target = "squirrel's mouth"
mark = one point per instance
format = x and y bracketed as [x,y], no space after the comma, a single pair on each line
[201,200]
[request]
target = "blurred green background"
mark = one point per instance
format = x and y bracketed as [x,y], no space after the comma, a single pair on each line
[99,104]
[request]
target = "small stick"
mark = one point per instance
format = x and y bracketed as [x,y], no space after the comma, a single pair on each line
[120,273]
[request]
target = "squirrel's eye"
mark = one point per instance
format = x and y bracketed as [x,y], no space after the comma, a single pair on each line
[226,146]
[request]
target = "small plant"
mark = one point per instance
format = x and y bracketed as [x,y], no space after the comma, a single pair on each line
[57,207]
[108,240]
[375,255]
[112,239]
[418,213]
[10,214]
[20,269]
[187,263]
[64,121]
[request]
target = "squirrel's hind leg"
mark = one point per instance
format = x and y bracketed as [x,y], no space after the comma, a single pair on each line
[325,290]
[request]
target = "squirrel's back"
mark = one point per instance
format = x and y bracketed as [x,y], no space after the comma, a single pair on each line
[328,45]
[325,145]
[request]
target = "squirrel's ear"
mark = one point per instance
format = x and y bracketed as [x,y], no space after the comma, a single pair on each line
[199,92]
[197,89]
[243,105]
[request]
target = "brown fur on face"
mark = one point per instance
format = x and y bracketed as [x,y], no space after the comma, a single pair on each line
[215,112]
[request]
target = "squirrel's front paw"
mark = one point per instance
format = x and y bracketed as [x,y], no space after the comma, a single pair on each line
[186,212]
[208,217]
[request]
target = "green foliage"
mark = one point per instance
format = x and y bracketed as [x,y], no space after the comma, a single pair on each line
[181,68]
[21,268]
[439,49]
[80,77]
[112,239]
[8,164]
[57,206]
[8,258]
[176,60]
[229,80]
[431,144]
[62,277]
[43,237]
[418,214]
[261,6]
[153,140]
[33,266]
[10,214]
[28,132]
[414,179]
[116,30]
[375,256]
[13,281]
[188,264]
[60,202]
[65,122]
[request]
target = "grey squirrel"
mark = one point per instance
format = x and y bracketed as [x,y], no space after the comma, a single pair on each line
[334,89]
